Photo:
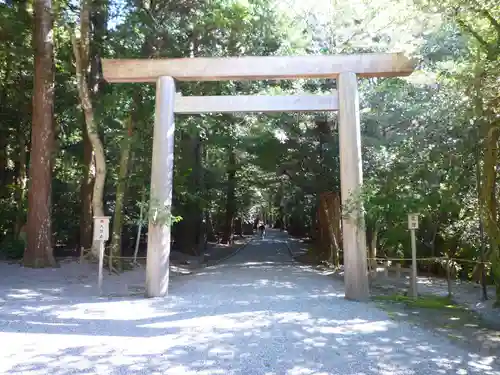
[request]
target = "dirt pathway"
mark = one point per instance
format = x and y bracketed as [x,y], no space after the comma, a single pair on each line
[257,313]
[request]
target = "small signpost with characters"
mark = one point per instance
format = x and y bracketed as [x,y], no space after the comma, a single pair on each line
[101,234]
[413,226]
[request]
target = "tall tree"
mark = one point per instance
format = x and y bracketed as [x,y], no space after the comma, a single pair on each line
[81,51]
[39,250]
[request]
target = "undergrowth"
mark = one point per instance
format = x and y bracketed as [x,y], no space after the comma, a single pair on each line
[423,301]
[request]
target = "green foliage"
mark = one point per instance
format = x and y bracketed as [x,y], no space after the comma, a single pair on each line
[12,248]
[160,214]
[423,301]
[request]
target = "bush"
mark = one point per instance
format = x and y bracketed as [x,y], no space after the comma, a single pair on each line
[12,248]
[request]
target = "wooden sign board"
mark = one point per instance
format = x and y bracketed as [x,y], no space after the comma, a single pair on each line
[101,228]
[412,221]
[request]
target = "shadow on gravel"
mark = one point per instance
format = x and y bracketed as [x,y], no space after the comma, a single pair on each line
[270,324]
[251,317]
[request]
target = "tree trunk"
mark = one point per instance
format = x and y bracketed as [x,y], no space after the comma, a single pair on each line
[479,271]
[314,217]
[39,251]
[21,182]
[490,207]
[323,239]
[329,223]
[98,19]
[490,210]
[87,185]
[189,231]
[5,177]
[142,208]
[3,158]
[206,227]
[211,236]
[116,237]
[81,53]
[337,230]
[199,183]
[238,227]
[372,235]
[372,239]
[449,274]
[230,198]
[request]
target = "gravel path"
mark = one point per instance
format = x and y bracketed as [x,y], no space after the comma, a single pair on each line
[256,313]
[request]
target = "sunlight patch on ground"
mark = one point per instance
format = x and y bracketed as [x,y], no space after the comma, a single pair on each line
[352,329]
[238,321]
[21,294]
[115,310]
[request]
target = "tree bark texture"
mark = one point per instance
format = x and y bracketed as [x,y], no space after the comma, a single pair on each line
[81,49]
[39,250]
[21,181]
[87,185]
[188,232]
[98,19]
[329,224]
[230,198]
[3,157]
[116,243]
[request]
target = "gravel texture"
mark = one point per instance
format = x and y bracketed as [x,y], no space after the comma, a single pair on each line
[256,313]
[467,294]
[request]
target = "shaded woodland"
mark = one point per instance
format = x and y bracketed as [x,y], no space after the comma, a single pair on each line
[73,146]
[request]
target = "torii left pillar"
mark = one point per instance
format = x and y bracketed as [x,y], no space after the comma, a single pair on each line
[158,253]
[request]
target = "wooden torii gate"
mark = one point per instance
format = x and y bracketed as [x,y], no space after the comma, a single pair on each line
[345,68]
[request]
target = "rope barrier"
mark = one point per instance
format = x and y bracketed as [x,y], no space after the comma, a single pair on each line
[432,259]
[458,260]
[120,257]
[106,256]
[395,259]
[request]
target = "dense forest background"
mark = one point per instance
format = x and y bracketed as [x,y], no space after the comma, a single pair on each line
[72,146]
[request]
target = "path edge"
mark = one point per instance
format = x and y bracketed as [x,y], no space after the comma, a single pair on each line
[223,259]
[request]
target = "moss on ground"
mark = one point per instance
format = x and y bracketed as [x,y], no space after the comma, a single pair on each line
[423,301]
[443,316]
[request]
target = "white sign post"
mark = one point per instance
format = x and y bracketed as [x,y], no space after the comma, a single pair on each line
[413,226]
[101,234]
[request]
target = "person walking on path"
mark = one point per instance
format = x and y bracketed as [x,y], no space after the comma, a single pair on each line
[262,230]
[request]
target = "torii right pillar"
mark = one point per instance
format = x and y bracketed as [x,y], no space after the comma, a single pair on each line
[351,181]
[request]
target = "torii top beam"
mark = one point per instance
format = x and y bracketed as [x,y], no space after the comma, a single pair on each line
[256,67]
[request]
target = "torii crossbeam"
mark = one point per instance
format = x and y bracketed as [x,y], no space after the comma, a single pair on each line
[345,68]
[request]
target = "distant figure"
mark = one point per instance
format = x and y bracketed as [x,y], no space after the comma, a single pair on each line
[262,229]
